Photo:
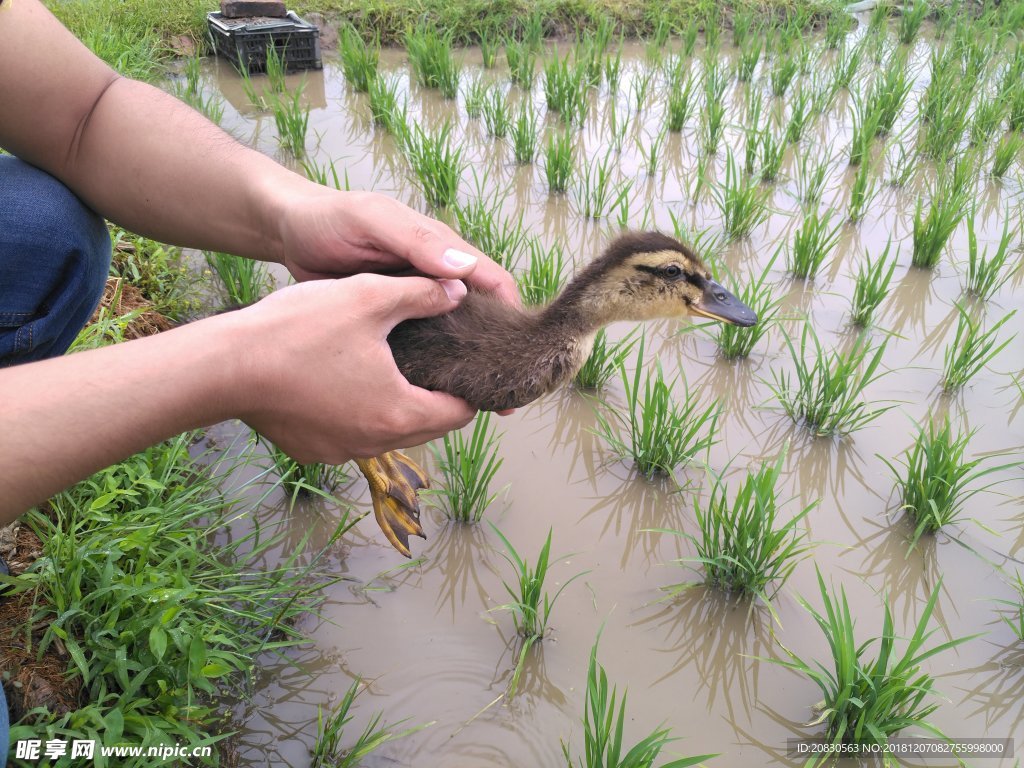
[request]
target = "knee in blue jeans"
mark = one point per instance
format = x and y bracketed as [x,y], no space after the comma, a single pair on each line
[54,261]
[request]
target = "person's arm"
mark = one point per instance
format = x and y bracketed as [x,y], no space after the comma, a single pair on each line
[157,167]
[308,367]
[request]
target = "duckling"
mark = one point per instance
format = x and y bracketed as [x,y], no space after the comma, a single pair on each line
[497,357]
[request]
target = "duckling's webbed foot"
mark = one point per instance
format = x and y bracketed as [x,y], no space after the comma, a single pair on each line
[394,479]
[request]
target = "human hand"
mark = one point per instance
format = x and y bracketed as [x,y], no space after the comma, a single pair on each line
[318,375]
[327,233]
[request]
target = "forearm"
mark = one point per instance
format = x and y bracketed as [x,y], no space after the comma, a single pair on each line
[125,398]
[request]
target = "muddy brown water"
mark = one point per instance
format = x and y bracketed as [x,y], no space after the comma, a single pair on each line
[427,637]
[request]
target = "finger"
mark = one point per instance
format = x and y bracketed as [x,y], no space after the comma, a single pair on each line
[403,298]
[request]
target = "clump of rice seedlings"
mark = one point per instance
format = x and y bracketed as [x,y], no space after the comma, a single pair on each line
[747,60]
[837,24]
[712,30]
[663,431]
[865,128]
[879,16]
[771,152]
[604,360]
[565,89]
[812,173]
[799,114]
[191,91]
[432,61]
[713,124]
[889,92]
[735,342]
[903,165]
[468,467]
[497,114]
[933,483]
[742,23]
[382,94]
[476,93]
[743,203]
[825,394]
[869,700]
[522,63]
[613,69]
[326,175]
[502,240]
[911,20]
[596,194]
[681,102]
[1006,151]
[524,134]
[988,117]
[275,70]
[640,88]
[652,151]
[1015,620]
[543,279]
[303,479]
[559,160]
[656,43]
[437,164]
[945,106]
[812,244]
[986,275]
[533,30]
[862,192]
[872,286]
[328,751]
[1015,107]
[784,69]
[617,126]
[743,546]
[530,603]
[971,350]
[245,281]
[949,205]
[604,719]
[292,120]
[489,44]
[358,58]
[846,64]
[588,55]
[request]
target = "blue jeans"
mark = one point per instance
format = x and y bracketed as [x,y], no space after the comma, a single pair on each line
[54,259]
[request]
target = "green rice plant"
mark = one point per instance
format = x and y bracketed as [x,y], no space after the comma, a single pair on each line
[868,700]
[604,360]
[837,25]
[712,30]
[544,277]
[604,719]
[303,479]
[747,60]
[865,128]
[1015,107]
[735,342]
[1006,152]
[846,65]
[784,69]
[743,203]
[559,160]
[475,94]
[971,349]
[640,87]
[432,61]
[742,24]
[771,151]
[812,173]
[501,239]
[949,205]
[872,285]
[588,56]
[467,467]
[825,394]
[652,151]
[489,44]
[533,29]
[932,484]
[565,89]
[522,63]
[330,730]
[497,113]
[292,120]
[681,103]
[595,192]
[1015,620]
[713,122]
[530,604]
[862,192]
[987,275]
[987,118]
[799,114]
[742,545]
[945,107]
[245,281]
[689,39]
[888,92]
[903,166]
[437,164]
[911,20]
[105,328]
[326,175]
[358,58]
[663,431]
[524,132]
[880,16]
[382,94]
[617,126]
[613,69]
[191,91]
[812,244]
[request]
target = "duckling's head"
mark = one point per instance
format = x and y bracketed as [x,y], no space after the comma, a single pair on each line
[647,276]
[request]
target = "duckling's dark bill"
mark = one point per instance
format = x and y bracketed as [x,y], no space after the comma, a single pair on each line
[718,304]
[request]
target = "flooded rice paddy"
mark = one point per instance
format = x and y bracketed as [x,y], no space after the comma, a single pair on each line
[425,636]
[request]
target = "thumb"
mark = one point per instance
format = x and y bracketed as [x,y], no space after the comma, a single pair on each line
[415,297]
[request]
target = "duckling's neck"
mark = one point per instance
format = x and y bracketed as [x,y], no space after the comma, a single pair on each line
[581,311]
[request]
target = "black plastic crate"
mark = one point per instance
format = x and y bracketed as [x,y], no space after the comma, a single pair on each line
[245,42]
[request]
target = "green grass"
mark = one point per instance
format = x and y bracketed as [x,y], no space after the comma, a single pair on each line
[437,164]
[971,349]
[812,244]
[467,468]
[742,201]
[245,281]
[297,480]
[292,120]
[986,275]
[432,60]
[159,272]
[358,58]
[663,430]
[735,342]
[825,393]
[497,113]
[544,277]
[604,360]
[867,699]
[559,160]
[872,285]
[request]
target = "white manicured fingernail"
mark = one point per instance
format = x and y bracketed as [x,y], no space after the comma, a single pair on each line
[456,289]
[458,259]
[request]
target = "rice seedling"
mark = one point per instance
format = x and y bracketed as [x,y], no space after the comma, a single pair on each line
[617,126]
[743,546]
[735,342]
[604,360]
[971,349]
[544,277]
[746,62]
[328,751]
[689,38]
[862,192]
[326,175]
[663,431]
[879,16]
[911,20]
[256,98]
[530,604]
[292,120]
[742,23]
[522,63]
[489,44]
[743,203]
[497,113]
[987,119]
[837,24]
[812,173]
[245,281]
[475,96]
[872,285]
[275,70]
[868,700]
[712,30]
[987,275]
[712,126]
[524,133]
[613,69]
[652,151]
[437,164]
[812,244]
[903,166]
[948,206]
[1006,152]
[640,88]
[191,92]
[846,65]
[588,56]
[1015,620]
[825,395]
[889,92]
[603,725]
[432,61]
[559,160]
[467,467]
[784,69]
[771,151]
[382,94]
[533,30]
[799,114]
[501,239]
[358,58]
[1015,107]
[932,484]
[303,479]
[595,192]
[681,103]
[565,89]
[865,128]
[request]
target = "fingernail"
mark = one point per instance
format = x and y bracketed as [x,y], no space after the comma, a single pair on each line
[456,289]
[458,259]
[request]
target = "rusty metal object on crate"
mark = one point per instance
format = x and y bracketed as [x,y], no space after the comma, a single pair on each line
[244,42]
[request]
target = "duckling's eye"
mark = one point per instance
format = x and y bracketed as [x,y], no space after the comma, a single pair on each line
[672,270]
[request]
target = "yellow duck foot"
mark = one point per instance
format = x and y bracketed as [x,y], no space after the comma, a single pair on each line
[394,479]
